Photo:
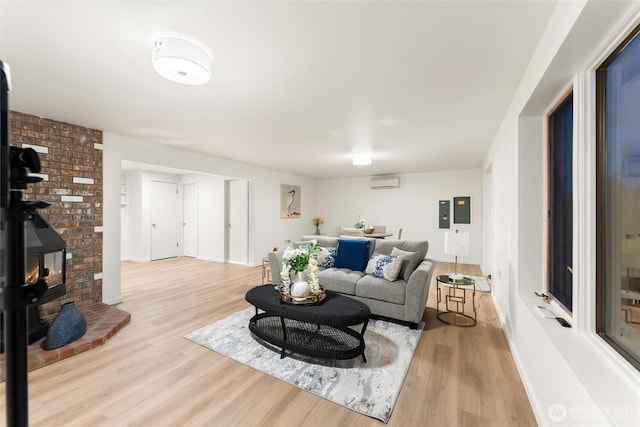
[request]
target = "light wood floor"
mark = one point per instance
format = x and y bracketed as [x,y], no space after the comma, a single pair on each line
[148,375]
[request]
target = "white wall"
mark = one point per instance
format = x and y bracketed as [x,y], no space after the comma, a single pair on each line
[572,377]
[266,228]
[139,227]
[210,212]
[413,206]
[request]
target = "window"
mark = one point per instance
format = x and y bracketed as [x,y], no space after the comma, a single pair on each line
[560,226]
[618,199]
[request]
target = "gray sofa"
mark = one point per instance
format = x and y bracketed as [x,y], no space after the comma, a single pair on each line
[403,300]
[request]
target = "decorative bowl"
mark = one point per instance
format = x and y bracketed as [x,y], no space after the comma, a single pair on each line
[311,299]
[369,229]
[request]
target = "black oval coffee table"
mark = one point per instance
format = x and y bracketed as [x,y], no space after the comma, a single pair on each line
[313,330]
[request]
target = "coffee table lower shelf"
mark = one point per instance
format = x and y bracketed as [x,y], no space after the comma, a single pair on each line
[322,341]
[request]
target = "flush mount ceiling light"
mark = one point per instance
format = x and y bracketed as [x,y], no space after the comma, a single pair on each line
[361,159]
[181,61]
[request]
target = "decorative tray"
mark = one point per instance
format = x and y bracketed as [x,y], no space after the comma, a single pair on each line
[311,299]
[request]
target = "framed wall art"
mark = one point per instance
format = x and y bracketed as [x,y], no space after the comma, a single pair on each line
[290,197]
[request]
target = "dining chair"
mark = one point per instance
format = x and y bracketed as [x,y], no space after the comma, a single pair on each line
[399,233]
[355,232]
[380,228]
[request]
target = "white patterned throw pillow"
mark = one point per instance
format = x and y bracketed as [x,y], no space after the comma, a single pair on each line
[326,257]
[385,266]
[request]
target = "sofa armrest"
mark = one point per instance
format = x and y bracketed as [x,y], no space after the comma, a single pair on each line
[275,264]
[418,290]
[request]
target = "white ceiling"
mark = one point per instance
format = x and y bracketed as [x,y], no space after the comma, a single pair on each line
[296,86]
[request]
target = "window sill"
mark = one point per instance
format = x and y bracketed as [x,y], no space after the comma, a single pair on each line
[610,380]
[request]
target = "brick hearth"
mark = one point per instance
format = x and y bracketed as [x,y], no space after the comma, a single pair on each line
[102,322]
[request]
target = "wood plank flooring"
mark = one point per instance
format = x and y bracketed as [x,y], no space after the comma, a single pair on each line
[148,375]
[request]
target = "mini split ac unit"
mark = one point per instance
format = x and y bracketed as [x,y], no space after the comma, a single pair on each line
[385,181]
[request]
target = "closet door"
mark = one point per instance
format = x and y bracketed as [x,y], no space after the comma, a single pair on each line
[164,220]
[190,220]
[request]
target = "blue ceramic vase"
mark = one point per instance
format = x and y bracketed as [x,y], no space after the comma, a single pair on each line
[69,325]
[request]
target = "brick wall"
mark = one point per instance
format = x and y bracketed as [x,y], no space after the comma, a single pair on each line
[71,158]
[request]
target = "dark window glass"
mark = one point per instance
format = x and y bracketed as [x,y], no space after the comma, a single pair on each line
[561,203]
[618,202]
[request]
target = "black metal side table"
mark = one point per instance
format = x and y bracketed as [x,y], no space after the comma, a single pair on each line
[455,298]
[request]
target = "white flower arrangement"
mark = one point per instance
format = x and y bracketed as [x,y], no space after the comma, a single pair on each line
[361,222]
[312,276]
[285,275]
[299,260]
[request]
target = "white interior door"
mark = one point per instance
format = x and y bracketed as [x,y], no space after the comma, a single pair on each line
[190,220]
[164,220]
[238,221]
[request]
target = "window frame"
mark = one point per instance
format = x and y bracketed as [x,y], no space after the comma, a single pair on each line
[560,103]
[600,202]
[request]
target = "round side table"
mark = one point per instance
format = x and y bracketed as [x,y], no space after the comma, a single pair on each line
[454,296]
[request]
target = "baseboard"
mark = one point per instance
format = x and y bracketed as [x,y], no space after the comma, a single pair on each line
[139,259]
[200,258]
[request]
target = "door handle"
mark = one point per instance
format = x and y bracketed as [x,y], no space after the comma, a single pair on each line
[154,226]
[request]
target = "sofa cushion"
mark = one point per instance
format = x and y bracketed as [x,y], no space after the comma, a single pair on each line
[385,246]
[352,254]
[381,289]
[340,280]
[410,262]
[385,266]
[326,257]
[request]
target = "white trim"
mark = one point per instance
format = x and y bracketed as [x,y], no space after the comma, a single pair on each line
[139,259]
[584,205]
[210,259]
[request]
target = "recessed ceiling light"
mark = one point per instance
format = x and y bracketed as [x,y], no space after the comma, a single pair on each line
[181,61]
[361,159]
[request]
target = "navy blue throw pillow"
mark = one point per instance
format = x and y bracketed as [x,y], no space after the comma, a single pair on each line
[352,254]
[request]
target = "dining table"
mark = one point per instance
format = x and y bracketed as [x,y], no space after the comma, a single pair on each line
[375,235]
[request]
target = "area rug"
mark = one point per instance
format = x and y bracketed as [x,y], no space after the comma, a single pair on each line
[482,283]
[369,388]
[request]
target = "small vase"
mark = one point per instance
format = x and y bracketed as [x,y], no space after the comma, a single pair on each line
[300,288]
[318,230]
[68,325]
